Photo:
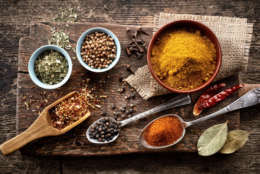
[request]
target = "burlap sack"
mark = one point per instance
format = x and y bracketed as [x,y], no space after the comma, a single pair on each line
[234,35]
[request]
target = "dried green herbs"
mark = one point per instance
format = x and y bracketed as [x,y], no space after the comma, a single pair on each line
[212,139]
[60,39]
[235,140]
[66,15]
[51,67]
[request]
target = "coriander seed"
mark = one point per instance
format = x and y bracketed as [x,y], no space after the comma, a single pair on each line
[98,50]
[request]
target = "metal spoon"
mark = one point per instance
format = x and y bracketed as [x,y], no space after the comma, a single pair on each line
[249,99]
[174,102]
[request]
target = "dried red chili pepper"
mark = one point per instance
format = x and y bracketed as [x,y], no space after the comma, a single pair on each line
[212,101]
[215,87]
[206,95]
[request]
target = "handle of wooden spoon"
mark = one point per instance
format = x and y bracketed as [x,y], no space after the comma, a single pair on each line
[37,130]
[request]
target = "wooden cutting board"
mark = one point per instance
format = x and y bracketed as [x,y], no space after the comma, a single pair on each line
[74,143]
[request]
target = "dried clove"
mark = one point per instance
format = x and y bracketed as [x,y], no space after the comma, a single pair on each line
[129,69]
[137,46]
[141,31]
[139,55]
[130,33]
[113,106]
[121,90]
[103,114]
[128,51]
[120,79]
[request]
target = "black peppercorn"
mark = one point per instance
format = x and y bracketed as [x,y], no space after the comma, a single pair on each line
[113,106]
[104,130]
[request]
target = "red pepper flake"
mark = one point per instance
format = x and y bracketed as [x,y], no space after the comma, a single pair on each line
[71,109]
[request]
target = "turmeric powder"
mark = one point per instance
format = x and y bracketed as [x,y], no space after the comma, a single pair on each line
[183,60]
[164,131]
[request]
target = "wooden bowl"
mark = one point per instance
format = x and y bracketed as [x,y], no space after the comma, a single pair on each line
[192,25]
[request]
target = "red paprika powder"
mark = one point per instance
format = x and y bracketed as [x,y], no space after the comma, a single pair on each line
[163,131]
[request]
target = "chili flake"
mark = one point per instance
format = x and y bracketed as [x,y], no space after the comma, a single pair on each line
[71,109]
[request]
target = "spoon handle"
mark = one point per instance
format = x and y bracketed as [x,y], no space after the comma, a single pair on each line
[174,102]
[249,99]
[38,129]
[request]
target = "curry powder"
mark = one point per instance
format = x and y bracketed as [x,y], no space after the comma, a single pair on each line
[183,60]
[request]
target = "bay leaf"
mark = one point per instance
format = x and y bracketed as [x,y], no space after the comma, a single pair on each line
[235,140]
[212,139]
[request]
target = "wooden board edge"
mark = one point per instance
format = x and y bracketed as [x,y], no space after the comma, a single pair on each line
[22,39]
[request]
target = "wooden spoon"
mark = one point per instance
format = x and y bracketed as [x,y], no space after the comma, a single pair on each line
[41,127]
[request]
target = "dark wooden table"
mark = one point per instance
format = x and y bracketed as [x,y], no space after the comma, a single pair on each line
[15,17]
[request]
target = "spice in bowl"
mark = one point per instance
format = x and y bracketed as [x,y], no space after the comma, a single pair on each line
[182,59]
[98,50]
[51,67]
[163,131]
[71,109]
[104,130]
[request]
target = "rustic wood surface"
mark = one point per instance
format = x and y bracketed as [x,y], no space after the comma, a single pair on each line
[74,143]
[14,23]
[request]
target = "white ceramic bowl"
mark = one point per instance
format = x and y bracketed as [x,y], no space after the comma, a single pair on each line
[81,40]
[36,54]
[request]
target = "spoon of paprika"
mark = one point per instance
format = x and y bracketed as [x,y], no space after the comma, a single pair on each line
[169,129]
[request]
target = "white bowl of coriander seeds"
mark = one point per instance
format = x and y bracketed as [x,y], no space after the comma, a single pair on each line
[98,49]
[50,67]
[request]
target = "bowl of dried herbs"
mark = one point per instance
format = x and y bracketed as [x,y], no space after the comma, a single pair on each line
[98,49]
[50,67]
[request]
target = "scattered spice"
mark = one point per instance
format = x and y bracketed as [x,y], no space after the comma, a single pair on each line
[129,69]
[120,79]
[103,114]
[98,50]
[113,106]
[137,46]
[104,130]
[123,109]
[127,97]
[121,90]
[27,105]
[132,96]
[60,39]
[130,111]
[51,67]
[66,15]
[163,131]
[71,109]
[206,95]
[132,105]
[183,60]
[212,101]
